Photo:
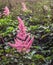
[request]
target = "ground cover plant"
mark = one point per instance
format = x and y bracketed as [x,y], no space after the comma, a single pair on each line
[26,33]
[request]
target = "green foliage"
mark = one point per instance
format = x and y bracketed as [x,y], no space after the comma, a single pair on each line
[7,25]
[39,22]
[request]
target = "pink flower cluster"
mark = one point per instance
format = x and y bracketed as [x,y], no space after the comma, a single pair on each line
[6,11]
[24,8]
[22,29]
[23,41]
[0,14]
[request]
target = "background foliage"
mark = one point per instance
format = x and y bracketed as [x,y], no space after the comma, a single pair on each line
[40,23]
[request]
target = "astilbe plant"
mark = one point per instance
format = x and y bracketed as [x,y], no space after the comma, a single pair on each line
[6,11]
[23,41]
[0,14]
[24,8]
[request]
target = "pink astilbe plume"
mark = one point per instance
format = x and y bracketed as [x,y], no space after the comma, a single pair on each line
[22,44]
[6,11]
[24,8]
[22,29]
[0,14]
[21,26]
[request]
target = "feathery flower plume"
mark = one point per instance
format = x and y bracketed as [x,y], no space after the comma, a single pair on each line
[24,8]
[22,44]
[0,14]
[6,11]
[22,29]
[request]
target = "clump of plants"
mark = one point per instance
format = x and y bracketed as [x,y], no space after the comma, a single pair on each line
[17,44]
[7,24]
